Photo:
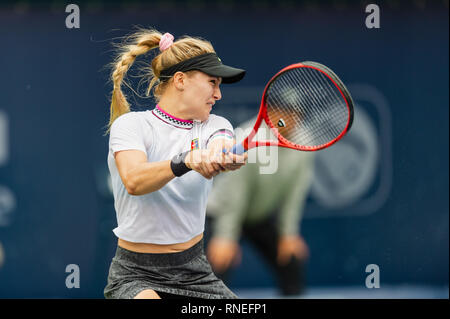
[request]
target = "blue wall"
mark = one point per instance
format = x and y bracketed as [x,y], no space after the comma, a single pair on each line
[55,208]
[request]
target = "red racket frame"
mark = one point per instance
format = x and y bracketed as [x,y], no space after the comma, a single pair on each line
[282,142]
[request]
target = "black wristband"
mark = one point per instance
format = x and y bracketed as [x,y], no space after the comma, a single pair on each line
[178,166]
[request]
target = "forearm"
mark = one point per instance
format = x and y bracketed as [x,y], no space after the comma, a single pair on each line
[228,226]
[292,211]
[148,177]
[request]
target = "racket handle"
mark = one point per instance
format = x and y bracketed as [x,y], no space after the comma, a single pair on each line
[238,149]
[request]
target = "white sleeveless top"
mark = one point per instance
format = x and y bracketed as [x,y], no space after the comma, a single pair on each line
[176,212]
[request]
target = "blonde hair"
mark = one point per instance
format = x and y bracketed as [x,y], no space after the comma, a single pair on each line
[140,43]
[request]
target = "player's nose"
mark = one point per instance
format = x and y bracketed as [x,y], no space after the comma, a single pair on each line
[217,94]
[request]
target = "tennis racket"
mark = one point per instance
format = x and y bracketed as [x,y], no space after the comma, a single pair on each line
[306,106]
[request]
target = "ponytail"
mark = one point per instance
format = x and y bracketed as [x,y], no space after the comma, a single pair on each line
[141,43]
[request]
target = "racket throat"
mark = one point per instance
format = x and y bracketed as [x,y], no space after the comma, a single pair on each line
[245,145]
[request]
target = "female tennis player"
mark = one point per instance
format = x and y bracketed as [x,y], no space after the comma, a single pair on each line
[161,163]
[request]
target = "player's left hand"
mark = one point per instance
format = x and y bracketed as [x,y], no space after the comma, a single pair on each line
[227,161]
[232,162]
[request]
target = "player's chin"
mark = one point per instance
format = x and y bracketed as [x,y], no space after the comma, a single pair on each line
[205,116]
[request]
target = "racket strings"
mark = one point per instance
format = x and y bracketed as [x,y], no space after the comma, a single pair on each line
[306,107]
[309,105]
[333,99]
[318,83]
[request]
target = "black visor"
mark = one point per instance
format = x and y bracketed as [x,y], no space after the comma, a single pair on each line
[208,63]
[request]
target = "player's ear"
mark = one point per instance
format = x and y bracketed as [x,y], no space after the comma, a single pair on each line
[179,80]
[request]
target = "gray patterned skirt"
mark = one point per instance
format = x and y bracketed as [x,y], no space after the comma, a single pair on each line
[185,274]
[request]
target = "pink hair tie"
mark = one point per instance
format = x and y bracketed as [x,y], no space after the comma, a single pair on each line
[166,41]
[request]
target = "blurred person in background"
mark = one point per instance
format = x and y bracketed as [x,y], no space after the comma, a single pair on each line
[266,209]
